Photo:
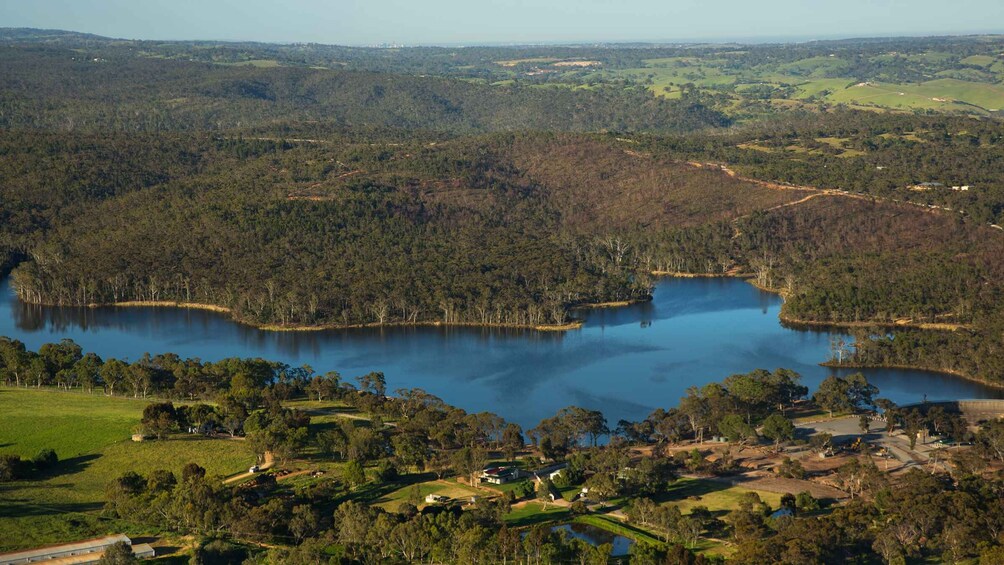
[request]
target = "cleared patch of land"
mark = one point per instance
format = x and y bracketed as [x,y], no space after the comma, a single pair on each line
[91,436]
[719,497]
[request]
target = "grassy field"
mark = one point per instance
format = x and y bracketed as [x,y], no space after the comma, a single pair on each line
[97,422]
[417,492]
[941,94]
[719,497]
[91,436]
[532,513]
[962,89]
[260,63]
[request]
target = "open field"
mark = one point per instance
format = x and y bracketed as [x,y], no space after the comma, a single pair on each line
[417,492]
[941,94]
[532,513]
[718,497]
[829,79]
[91,436]
[37,419]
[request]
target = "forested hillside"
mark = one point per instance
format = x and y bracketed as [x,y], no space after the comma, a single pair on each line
[107,90]
[472,231]
[885,155]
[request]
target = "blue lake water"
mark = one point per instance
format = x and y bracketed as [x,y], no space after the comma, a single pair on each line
[625,361]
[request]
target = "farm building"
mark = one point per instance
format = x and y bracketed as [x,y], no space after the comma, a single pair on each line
[500,475]
[77,553]
[549,470]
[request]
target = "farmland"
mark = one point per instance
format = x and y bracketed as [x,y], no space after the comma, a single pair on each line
[822,80]
[91,436]
[718,497]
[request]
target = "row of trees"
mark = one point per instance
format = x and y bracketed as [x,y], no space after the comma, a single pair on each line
[13,468]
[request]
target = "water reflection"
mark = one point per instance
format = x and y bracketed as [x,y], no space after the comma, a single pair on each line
[620,545]
[624,361]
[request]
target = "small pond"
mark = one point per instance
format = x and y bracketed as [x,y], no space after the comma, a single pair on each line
[598,536]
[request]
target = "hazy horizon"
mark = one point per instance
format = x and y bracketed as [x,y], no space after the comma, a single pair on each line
[505,22]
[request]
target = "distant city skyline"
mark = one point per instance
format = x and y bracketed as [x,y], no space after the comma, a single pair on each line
[455,22]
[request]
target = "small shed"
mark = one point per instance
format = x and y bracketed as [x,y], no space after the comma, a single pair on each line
[435,499]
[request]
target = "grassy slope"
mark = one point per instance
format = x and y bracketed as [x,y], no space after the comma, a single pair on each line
[532,513]
[91,436]
[449,488]
[718,497]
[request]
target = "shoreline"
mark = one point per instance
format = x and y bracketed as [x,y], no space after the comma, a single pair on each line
[787,321]
[613,304]
[929,326]
[792,321]
[684,275]
[163,304]
[906,367]
[572,324]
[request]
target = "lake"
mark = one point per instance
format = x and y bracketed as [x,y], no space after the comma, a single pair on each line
[624,361]
[620,545]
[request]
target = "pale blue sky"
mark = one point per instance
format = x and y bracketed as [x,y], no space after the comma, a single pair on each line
[365,22]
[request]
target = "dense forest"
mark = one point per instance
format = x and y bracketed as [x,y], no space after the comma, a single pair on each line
[876,154]
[477,231]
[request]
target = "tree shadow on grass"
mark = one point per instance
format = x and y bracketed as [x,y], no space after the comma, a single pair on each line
[23,507]
[167,554]
[318,427]
[539,518]
[686,489]
[70,466]
[373,493]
